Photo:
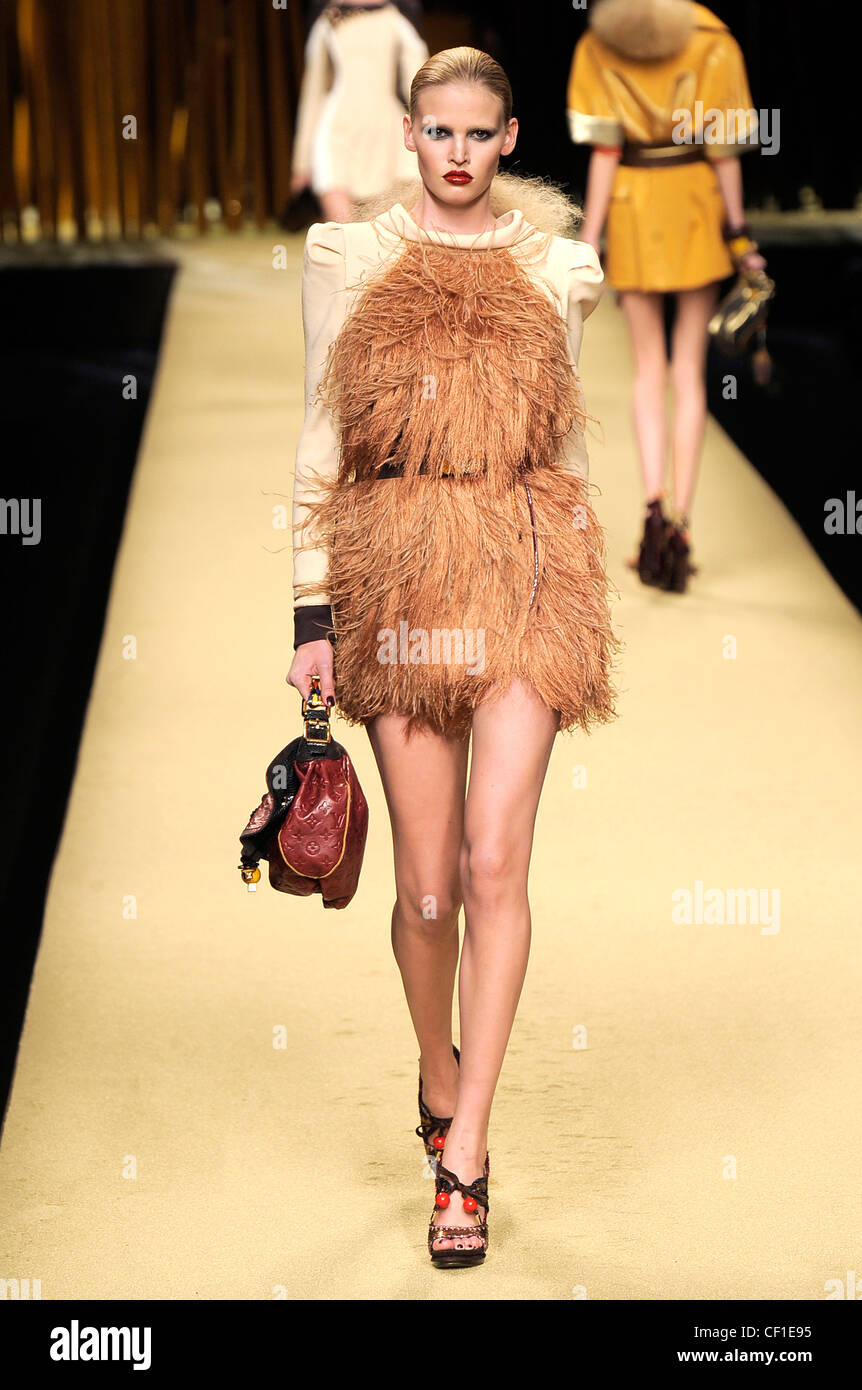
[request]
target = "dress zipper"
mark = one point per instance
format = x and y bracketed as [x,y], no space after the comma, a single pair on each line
[533,528]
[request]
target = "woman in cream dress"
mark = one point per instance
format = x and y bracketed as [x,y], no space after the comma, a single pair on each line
[348,141]
[675,221]
[441,487]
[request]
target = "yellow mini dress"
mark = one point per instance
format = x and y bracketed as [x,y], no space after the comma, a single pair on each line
[664,225]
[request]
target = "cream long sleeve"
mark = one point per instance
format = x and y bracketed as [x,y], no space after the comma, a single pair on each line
[585,289]
[412,53]
[312,96]
[323,311]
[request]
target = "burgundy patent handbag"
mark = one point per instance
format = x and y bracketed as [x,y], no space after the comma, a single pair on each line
[312,823]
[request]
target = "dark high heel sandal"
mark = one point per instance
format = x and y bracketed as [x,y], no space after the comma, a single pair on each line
[432,1129]
[475,1195]
[678,564]
[652,561]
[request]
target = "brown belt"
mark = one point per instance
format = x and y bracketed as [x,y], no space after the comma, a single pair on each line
[660,156]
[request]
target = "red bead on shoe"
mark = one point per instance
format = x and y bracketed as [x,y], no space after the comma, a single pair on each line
[442,1199]
[439,1141]
[470,1204]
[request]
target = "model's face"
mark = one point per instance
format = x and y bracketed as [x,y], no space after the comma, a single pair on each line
[459,131]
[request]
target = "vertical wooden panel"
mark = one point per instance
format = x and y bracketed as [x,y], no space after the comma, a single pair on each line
[198,142]
[212,87]
[255,171]
[66,118]
[130,113]
[279,128]
[239,113]
[163,45]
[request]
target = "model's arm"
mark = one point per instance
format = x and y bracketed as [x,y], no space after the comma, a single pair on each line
[729,174]
[725,88]
[412,52]
[600,185]
[585,289]
[323,307]
[311,97]
[593,120]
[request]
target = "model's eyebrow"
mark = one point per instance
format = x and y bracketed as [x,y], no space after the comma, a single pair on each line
[439,125]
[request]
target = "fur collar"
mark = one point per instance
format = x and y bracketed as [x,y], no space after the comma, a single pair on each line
[544,205]
[644,30]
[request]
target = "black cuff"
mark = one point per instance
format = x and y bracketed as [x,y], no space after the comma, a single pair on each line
[312,622]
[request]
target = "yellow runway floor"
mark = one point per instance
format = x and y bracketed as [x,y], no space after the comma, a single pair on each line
[677,1114]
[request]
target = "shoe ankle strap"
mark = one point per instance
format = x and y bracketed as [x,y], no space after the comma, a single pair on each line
[447,1181]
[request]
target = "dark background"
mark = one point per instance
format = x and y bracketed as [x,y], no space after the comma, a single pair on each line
[75,325]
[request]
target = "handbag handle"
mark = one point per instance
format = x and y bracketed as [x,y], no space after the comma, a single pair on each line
[315,714]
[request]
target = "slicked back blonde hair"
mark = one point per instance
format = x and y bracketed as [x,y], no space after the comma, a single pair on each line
[462,66]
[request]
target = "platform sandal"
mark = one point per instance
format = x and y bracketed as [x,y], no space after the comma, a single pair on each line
[651,561]
[475,1195]
[678,567]
[432,1129]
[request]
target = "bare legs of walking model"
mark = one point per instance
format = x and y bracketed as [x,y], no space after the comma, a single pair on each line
[451,850]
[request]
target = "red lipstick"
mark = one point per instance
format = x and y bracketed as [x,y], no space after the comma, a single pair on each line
[458,176]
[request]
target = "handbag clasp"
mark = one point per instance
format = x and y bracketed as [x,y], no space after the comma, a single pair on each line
[315,715]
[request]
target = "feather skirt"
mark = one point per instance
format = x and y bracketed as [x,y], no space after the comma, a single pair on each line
[440,598]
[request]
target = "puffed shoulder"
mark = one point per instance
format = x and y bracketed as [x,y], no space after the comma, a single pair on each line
[324,244]
[586,277]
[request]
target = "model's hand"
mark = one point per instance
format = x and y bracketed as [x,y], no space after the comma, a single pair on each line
[752,260]
[299,179]
[313,659]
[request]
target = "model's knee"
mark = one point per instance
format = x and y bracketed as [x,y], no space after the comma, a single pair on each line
[429,913]
[687,376]
[651,376]
[488,868]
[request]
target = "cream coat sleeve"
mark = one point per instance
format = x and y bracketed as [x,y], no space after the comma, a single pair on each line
[323,311]
[312,94]
[585,289]
[412,52]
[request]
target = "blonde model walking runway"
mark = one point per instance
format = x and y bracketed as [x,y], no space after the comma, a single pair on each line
[449,571]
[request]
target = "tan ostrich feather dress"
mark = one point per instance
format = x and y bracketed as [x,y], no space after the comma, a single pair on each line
[444,535]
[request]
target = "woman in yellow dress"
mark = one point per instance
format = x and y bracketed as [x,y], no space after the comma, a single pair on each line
[441,498]
[670,185]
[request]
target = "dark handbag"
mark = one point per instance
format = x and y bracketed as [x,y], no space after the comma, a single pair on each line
[312,823]
[302,209]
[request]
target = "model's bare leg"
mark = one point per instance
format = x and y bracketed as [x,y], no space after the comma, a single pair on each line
[688,370]
[645,318]
[512,741]
[424,780]
[337,205]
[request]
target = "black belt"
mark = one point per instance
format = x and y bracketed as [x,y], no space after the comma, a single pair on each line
[660,156]
[396,470]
